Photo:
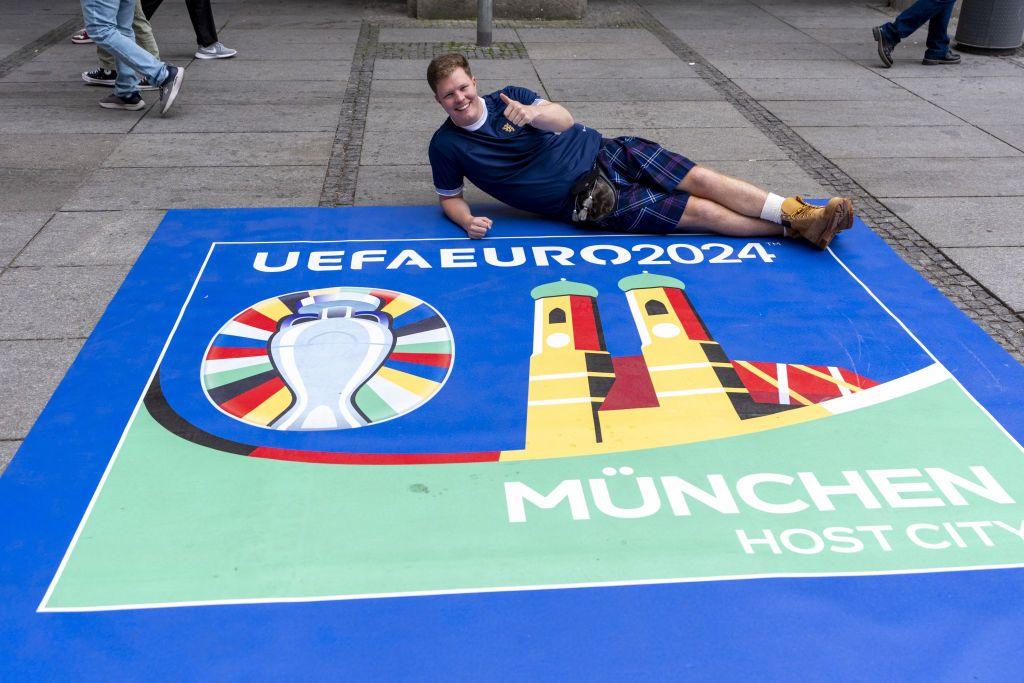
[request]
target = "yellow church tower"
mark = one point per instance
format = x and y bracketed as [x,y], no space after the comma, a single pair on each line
[570,373]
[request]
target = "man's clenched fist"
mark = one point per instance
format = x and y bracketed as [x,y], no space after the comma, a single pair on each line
[478,227]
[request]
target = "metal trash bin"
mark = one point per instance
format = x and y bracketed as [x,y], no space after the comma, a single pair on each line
[991,24]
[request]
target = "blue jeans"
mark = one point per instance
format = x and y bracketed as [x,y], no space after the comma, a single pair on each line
[935,12]
[109,23]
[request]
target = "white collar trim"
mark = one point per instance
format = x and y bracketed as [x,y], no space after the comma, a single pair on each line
[480,121]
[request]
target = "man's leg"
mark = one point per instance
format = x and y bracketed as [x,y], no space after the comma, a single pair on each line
[201,14]
[730,206]
[938,36]
[101,17]
[143,36]
[911,19]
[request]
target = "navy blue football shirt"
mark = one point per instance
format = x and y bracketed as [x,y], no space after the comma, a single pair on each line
[523,166]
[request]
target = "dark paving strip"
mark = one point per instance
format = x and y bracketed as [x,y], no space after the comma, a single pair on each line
[29,52]
[431,50]
[343,167]
[981,305]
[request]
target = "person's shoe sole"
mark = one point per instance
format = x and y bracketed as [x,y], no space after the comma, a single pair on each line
[886,59]
[173,94]
[127,107]
[203,55]
[940,62]
[841,219]
[96,81]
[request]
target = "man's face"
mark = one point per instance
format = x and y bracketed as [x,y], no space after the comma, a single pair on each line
[457,95]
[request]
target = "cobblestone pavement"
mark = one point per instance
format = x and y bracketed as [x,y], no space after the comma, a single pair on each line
[326,104]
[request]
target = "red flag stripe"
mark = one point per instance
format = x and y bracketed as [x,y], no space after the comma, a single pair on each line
[245,402]
[691,323]
[257,319]
[373,458]
[438,360]
[584,327]
[217,352]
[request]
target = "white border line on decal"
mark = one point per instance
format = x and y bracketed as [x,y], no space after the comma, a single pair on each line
[498,589]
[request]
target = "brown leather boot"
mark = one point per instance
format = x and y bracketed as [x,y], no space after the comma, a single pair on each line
[816,224]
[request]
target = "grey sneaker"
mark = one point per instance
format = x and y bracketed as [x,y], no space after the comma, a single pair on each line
[215,51]
[131,102]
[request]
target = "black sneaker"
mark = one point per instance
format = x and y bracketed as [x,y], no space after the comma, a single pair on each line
[884,46]
[131,102]
[949,58]
[169,88]
[100,76]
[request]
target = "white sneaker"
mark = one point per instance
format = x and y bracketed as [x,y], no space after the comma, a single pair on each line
[215,51]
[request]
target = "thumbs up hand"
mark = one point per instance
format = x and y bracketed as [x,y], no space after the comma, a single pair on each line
[518,113]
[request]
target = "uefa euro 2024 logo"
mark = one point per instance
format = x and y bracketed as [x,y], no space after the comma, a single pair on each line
[336,358]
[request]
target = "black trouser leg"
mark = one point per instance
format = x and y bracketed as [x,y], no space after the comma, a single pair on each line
[201,14]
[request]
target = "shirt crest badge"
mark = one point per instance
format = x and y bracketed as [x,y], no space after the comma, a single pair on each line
[508,128]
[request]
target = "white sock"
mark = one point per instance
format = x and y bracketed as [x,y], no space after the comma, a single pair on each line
[772,209]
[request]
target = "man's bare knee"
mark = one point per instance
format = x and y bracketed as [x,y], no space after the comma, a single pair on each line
[700,181]
[700,213]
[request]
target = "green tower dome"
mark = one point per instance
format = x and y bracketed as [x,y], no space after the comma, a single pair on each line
[562,288]
[647,281]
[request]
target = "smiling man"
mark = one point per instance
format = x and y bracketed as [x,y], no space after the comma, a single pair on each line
[531,154]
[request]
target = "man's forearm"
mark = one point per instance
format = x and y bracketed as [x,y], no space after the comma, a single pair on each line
[457,211]
[552,117]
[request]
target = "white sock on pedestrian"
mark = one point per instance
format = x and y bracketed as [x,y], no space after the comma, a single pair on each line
[772,209]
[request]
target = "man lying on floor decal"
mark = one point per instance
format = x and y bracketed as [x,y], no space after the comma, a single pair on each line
[532,155]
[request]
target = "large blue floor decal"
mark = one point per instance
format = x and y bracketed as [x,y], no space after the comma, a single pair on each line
[313,440]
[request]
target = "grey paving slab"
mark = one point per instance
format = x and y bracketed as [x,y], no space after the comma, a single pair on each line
[812,16]
[861,113]
[69,95]
[781,177]
[491,69]
[7,452]
[700,18]
[29,372]
[200,117]
[222,149]
[954,85]
[972,65]
[294,34]
[993,177]
[1010,134]
[57,119]
[419,89]
[395,147]
[708,144]
[255,50]
[768,50]
[297,94]
[905,141]
[36,189]
[964,221]
[603,115]
[180,188]
[613,68]
[774,31]
[982,111]
[91,238]
[608,36]
[652,49]
[64,302]
[16,229]
[79,151]
[405,185]
[50,71]
[441,35]
[857,34]
[755,67]
[277,70]
[867,87]
[1000,269]
[644,89]
[249,20]
[387,114]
